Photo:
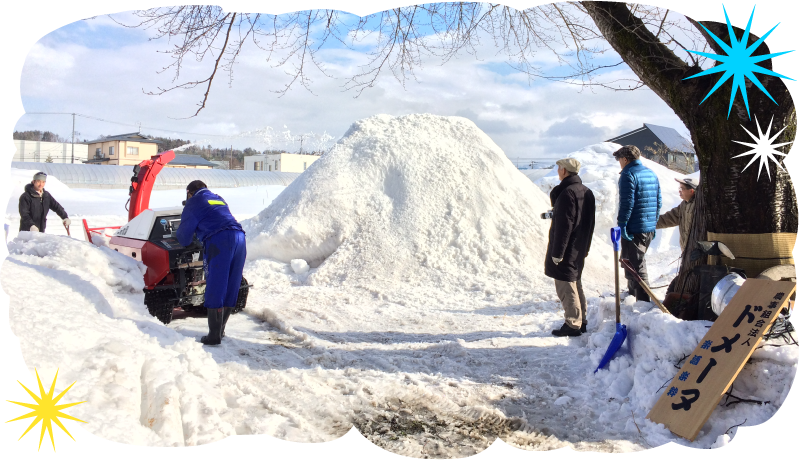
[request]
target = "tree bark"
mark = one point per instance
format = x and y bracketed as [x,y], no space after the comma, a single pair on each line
[733,201]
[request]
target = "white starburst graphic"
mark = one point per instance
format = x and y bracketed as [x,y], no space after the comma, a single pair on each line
[763,150]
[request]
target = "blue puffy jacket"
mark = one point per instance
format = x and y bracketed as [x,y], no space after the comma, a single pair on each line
[639,198]
[206,214]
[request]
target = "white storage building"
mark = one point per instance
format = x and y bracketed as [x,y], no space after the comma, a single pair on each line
[280,162]
[57,152]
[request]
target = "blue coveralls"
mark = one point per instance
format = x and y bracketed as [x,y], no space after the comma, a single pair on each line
[224,252]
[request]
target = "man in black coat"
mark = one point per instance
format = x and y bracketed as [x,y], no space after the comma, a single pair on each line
[34,205]
[568,245]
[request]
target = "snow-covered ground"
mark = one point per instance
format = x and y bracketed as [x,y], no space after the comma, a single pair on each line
[424,319]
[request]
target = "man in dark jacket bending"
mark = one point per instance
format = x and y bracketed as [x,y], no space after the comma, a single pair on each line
[34,205]
[639,206]
[568,245]
[207,215]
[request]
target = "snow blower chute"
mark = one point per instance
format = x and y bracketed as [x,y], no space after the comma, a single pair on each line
[175,277]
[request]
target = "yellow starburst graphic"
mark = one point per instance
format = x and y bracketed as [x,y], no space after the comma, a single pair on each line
[46,410]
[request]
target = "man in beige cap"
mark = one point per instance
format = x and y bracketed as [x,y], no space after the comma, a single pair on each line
[681,215]
[568,244]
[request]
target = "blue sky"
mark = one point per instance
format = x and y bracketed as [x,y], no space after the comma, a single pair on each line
[99,68]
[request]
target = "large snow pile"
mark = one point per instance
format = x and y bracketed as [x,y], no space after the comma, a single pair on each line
[600,172]
[418,199]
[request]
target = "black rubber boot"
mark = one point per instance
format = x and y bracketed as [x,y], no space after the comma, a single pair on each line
[566,331]
[214,327]
[641,295]
[583,328]
[226,313]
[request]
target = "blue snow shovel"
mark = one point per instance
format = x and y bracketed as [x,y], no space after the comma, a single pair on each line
[622,330]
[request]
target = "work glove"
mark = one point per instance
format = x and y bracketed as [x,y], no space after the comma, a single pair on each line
[66,222]
[624,232]
[557,261]
[195,245]
[34,229]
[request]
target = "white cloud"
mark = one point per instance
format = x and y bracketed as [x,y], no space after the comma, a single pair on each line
[109,83]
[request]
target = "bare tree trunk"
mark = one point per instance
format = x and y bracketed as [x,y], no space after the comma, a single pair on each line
[732,200]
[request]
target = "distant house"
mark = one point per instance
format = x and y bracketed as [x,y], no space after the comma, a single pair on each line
[130,149]
[662,145]
[283,162]
[122,149]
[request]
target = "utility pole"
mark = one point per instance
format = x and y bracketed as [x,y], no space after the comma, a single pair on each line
[73,138]
[230,161]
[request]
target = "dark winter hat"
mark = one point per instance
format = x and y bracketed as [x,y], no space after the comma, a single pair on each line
[194,186]
[40,176]
[630,152]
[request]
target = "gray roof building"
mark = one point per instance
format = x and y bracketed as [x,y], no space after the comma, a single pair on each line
[649,134]
[661,144]
[135,137]
[191,160]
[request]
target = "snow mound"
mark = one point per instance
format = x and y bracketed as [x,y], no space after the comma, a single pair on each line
[413,199]
[120,272]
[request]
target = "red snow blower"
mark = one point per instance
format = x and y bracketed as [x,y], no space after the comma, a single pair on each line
[175,277]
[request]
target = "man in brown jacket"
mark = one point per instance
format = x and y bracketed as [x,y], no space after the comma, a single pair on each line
[680,216]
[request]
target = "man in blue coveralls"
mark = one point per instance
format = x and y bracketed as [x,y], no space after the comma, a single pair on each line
[207,214]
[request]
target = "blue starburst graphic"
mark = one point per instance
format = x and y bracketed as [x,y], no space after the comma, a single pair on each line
[738,63]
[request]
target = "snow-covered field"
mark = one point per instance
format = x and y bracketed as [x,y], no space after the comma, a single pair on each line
[424,319]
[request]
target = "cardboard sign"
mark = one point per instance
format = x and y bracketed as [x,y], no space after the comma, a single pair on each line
[709,371]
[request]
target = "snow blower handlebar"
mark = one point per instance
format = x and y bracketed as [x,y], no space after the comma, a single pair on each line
[144,177]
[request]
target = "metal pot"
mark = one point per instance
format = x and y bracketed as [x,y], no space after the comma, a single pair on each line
[724,291]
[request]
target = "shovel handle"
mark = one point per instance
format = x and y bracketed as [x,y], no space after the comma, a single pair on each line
[616,284]
[626,264]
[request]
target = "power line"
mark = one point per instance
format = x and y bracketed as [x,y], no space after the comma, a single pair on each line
[127,124]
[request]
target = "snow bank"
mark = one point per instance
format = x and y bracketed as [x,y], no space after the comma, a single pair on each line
[417,199]
[120,272]
[656,343]
[80,309]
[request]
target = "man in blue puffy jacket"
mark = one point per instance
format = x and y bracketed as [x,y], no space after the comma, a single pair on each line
[207,215]
[639,208]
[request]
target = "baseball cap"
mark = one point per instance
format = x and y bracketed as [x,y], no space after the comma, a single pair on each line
[570,164]
[690,182]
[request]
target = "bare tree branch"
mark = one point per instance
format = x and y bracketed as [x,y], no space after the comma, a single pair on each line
[401,40]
